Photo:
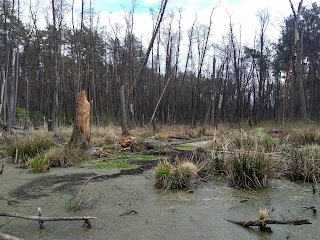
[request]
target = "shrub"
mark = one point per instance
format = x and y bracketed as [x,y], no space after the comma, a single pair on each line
[179,175]
[250,171]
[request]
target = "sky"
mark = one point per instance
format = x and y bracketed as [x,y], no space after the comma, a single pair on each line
[111,15]
[243,14]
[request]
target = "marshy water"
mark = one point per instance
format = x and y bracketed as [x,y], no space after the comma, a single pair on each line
[128,206]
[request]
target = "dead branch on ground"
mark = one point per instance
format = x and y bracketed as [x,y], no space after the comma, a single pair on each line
[8,237]
[262,223]
[87,224]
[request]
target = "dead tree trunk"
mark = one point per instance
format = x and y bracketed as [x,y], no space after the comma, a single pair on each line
[81,131]
[124,125]
[298,59]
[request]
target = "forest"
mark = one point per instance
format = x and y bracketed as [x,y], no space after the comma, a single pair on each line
[43,69]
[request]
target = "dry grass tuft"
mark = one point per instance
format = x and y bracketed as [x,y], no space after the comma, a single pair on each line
[178,175]
[263,215]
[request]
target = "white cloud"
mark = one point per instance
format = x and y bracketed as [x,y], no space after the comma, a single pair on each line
[151,2]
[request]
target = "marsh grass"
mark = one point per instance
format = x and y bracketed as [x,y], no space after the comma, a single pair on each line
[304,163]
[56,157]
[102,136]
[82,200]
[177,175]
[28,146]
[255,140]
[67,157]
[304,136]
[39,163]
[249,170]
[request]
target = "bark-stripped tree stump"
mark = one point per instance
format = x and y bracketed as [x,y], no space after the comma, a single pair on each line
[81,131]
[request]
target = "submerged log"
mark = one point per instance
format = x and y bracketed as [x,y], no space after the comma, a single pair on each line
[87,224]
[262,224]
[81,132]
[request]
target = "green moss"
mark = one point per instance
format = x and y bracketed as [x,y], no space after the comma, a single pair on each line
[185,147]
[142,157]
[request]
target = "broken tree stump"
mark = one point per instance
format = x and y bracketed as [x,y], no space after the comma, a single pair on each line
[42,219]
[81,131]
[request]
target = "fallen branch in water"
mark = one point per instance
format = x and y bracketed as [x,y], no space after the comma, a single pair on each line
[8,237]
[2,167]
[262,223]
[42,219]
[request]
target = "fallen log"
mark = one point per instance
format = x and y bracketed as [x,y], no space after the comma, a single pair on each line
[262,223]
[8,237]
[270,221]
[87,224]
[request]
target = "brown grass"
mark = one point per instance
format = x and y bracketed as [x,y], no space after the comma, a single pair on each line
[177,175]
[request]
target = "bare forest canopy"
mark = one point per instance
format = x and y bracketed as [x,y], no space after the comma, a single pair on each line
[43,69]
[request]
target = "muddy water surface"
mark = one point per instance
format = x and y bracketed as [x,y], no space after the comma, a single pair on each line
[129,207]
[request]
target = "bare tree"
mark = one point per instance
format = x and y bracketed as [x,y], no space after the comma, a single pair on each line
[297,48]
[264,17]
[202,50]
[57,17]
[154,34]
[124,125]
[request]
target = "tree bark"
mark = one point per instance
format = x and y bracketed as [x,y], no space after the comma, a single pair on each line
[81,132]
[42,219]
[297,47]
[124,125]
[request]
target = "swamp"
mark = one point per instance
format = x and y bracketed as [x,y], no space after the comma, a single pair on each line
[240,174]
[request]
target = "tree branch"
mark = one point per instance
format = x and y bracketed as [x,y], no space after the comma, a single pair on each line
[41,218]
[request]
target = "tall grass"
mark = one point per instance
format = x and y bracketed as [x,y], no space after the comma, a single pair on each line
[82,200]
[56,157]
[255,140]
[28,146]
[250,171]
[304,136]
[304,163]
